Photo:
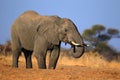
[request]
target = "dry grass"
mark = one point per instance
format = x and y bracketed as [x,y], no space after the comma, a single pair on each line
[88,67]
[90,60]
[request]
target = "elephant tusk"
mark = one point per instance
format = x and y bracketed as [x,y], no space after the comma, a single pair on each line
[87,45]
[75,44]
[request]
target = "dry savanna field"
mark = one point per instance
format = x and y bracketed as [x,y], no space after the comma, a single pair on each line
[88,67]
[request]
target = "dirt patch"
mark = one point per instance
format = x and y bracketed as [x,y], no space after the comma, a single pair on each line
[67,69]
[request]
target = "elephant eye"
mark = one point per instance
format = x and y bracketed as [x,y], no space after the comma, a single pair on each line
[66,30]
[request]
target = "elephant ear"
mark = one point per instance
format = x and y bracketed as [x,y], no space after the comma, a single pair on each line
[63,29]
[48,30]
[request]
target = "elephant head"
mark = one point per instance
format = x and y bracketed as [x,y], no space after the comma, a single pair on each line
[62,30]
[70,34]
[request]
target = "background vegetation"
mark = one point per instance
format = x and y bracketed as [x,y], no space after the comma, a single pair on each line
[98,37]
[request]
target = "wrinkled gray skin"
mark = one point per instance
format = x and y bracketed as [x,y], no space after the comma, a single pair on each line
[33,33]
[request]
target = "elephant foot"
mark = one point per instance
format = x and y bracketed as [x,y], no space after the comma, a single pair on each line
[51,68]
[29,67]
[42,67]
[15,66]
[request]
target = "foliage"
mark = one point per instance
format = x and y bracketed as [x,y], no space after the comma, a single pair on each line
[5,49]
[113,32]
[99,34]
[8,43]
[98,37]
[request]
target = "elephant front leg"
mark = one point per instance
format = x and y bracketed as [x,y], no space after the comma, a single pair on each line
[41,60]
[54,57]
[40,51]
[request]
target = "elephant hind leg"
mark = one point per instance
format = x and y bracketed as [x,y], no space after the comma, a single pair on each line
[16,54]
[28,55]
[16,48]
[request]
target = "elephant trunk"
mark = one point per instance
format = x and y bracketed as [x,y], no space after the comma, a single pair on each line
[77,51]
[78,47]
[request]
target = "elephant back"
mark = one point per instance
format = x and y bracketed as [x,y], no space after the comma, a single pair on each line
[25,28]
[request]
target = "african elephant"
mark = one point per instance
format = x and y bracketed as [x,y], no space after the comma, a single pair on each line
[34,33]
